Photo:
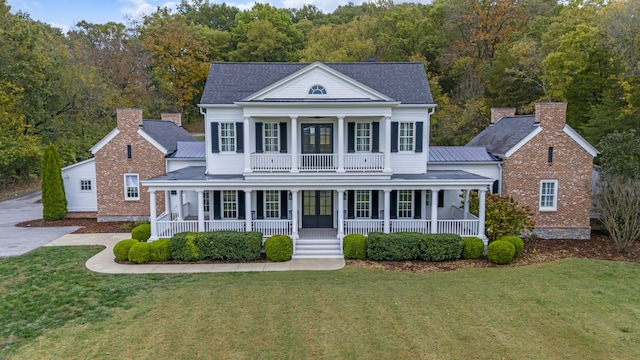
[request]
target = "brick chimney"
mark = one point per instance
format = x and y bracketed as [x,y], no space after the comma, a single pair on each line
[551,115]
[129,120]
[498,113]
[175,117]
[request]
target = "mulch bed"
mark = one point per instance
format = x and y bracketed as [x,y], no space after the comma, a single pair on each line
[536,251]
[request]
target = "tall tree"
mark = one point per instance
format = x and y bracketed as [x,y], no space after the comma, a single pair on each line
[54,201]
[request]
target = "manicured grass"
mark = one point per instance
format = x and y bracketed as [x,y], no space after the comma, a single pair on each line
[571,309]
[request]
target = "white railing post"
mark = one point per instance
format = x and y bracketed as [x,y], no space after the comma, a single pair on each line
[294,218]
[153,215]
[481,212]
[294,145]
[200,211]
[466,203]
[387,211]
[180,206]
[247,210]
[341,143]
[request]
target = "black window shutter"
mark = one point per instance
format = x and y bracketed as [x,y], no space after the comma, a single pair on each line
[419,136]
[239,137]
[259,139]
[550,154]
[375,195]
[283,137]
[417,204]
[128,151]
[394,204]
[394,137]
[260,204]
[284,204]
[215,147]
[441,198]
[375,137]
[217,211]
[351,204]
[496,187]
[351,137]
[241,208]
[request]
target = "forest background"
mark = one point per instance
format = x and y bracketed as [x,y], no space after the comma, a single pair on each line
[64,88]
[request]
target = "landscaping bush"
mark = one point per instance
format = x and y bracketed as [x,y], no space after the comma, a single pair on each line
[141,232]
[503,215]
[121,249]
[278,248]
[401,246]
[500,252]
[160,250]
[517,243]
[354,246]
[230,245]
[140,253]
[54,201]
[183,247]
[473,248]
[440,247]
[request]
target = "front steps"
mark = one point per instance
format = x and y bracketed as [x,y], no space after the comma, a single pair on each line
[317,248]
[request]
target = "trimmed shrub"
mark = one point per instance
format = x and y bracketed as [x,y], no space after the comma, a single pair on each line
[140,253]
[473,248]
[54,201]
[160,250]
[121,249]
[399,246]
[500,252]
[354,246]
[230,245]
[517,243]
[440,247]
[141,232]
[278,248]
[184,248]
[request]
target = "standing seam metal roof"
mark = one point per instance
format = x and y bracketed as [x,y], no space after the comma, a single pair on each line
[459,154]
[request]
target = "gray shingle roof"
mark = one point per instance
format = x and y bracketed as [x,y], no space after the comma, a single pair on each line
[459,154]
[166,133]
[505,134]
[190,150]
[230,82]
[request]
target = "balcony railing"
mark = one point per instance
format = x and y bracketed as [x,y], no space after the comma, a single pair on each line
[317,162]
[272,227]
[363,162]
[270,162]
[402,225]
[363,226]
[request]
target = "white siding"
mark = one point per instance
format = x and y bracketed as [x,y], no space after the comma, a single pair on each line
[77,199]
[177,164]
[491,171]
[413,162]
[223,163]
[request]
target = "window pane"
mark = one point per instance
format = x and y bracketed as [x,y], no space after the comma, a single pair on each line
[363,203]
[227,137]
[131,187]
[406,136]
[229,204]
[405,203]
[271,138]
[272,204]
[363,137]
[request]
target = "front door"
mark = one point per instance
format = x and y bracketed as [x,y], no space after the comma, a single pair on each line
[317,139]
[317,209]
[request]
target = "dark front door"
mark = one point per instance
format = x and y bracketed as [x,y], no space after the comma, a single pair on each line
[317,209]
[317,139]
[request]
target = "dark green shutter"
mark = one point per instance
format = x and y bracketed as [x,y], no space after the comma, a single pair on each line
[394,204]
[351,137]
[217,211]
[283,137]
[239,137]
[284,204]
[419,139]
[417,204]
[441,198]
[375,199]
[351,204]
[394,137]
[259,139]
[260,204]
[375,137]
[241,207]
[215,146]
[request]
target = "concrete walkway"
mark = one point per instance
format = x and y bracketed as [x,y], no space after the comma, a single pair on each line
[103,262]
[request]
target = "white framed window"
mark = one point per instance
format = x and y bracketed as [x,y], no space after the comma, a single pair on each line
[85,185]
[405,203]
[207,202]
[427,197]
[548,195]
[363,137]
[272,204]
[229,204]
[271,137]
[405,136]
[227,137]
[363,204]
[131,187]
[317,90]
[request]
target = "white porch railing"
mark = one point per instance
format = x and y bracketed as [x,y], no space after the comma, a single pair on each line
[363,162]
[459,214]
[167,229]
[317,162]
[363,226]
[271,162]
[407,225]
[232,225]
[273,227]
[460,227]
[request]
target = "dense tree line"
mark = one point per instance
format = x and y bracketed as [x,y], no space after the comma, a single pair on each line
[64,88]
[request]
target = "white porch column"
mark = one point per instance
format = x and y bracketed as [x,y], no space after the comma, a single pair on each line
[340,213]
[153,217]
[387,211]
[294,144]
[180,206]
[247,145]
[167,203]
[247,210]
[341,143]
[200,211]
[294,218]
[434,210]
[466,203]
[387,144]
[482,194]
[423,206]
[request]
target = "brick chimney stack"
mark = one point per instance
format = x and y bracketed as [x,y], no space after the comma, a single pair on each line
[551,115]
[129,120]
[175,117]
[498,113]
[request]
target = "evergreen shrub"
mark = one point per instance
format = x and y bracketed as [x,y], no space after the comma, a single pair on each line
[278,248]
[440,247]
[160,250]
[517,243]
[121,249]
[184,248]
[500,252]
[54,200]
[354,246]
[473,248]
[141,232]
[140,253]
[401,246]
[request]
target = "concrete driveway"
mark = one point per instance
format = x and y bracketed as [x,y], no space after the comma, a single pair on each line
[20,240]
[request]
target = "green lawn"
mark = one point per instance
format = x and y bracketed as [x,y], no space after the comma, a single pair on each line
[51,307]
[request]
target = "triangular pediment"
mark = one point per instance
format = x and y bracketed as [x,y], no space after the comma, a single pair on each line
[317,82]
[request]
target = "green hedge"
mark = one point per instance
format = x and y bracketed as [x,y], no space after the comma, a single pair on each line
[160,250]
[473,248]
[140,253]
[405,246]
[440,247]
[217,245]
[278,248]
[121,249]
[354,246]
[141,232]
[500,252]
[517,243]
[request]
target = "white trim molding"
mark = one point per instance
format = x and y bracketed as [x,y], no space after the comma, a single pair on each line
[104,141]
[553,207]
[152,141]
[521,143]
[580,140]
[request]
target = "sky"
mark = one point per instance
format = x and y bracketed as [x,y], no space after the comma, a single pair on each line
[65,14]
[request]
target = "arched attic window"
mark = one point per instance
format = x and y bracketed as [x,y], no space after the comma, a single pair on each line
[317,90]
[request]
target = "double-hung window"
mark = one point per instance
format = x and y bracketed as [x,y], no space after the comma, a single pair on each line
[548,195]
[131,187]
[229,204]
[363,204]
[405,204]
[272,204]
[405,136]
[363,137]
[271,138]
[227,137]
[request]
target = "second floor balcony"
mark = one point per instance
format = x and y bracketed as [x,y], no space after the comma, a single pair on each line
[359,162]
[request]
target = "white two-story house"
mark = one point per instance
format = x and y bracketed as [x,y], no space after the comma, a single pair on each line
[318,151]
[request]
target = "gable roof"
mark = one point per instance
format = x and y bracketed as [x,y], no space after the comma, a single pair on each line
[230,82]
[166,133]
[500,137]
[460,154]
